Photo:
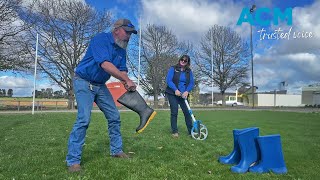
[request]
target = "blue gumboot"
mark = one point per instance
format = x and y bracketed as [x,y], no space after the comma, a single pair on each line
[271,155]
[249,150]
[235,155]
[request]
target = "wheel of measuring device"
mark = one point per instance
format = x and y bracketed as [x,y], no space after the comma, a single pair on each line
[201,134]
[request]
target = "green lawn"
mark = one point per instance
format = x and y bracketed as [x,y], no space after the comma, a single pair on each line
[34,147]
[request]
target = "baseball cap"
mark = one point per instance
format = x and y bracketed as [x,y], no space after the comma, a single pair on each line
[126,25]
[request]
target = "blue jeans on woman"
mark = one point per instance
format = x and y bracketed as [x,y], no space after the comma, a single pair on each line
[174,101]
[86,94]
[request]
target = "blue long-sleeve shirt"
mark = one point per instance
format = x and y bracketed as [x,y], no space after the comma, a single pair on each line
[101,48]
[182,81]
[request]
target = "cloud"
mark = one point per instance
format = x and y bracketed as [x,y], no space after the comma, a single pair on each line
[296,69]
[306,20]
[302,57]
[190,19]
[20,86]
[295,61]
[23,86]
[14,82]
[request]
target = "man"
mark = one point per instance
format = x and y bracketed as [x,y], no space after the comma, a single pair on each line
[105,57]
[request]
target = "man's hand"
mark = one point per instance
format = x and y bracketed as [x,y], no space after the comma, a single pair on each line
[185,94]
[121,75]
[129,85]
[177,93]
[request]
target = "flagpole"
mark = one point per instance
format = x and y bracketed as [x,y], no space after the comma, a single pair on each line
[139,51]
[35,76]
[211,66]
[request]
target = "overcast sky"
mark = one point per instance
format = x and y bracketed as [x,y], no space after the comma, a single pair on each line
[296,61]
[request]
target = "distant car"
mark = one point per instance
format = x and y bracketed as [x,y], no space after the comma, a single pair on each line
[230,103]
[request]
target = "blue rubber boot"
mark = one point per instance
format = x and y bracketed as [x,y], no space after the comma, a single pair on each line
[271,155]
[249,150]
[234,156]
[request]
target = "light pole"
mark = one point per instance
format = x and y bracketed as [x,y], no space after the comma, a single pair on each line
[252,9]
[211,34]
[139,51]
[35,75]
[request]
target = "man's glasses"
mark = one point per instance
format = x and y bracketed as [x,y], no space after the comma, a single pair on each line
[184,60]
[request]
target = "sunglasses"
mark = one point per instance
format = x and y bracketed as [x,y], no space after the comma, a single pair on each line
[184,60]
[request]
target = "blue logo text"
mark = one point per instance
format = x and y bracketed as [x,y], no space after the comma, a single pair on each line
[258,19]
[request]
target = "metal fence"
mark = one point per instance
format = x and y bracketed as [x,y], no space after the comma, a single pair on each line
[62,105]
[24,105]
[52,105]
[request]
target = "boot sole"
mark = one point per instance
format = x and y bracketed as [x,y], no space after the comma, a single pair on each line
[149,120]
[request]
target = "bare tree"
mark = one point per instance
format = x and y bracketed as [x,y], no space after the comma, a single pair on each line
[230,58]
[160,49]
[65,29]
[11,27]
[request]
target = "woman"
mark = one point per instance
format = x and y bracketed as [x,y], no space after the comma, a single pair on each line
[180,82]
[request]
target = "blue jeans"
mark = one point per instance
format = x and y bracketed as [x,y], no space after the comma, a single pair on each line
[85,97]
[174,101]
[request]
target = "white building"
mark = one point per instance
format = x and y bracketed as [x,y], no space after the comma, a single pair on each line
[311,95]
[268,99]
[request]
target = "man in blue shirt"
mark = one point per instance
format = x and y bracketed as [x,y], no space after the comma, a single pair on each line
[105,57]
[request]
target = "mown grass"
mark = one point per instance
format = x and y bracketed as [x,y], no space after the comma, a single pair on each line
[34,147]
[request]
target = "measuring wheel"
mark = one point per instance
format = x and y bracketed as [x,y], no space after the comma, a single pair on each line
[199,131]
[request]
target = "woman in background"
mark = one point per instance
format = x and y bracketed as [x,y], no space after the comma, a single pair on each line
[180,82]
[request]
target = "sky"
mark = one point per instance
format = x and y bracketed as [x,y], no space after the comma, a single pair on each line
[295,59]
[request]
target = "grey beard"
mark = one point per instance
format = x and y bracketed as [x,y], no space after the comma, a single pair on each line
[122,44]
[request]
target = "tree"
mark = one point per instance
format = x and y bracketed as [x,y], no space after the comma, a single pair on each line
[230,58]
[49,93]
[65,28]
[43,93]
[58,94]
[4,94]
[38,94]
[160,50]
[11,27]
[10,92]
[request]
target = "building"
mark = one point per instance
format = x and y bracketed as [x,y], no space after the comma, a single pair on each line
[275,98]
[206,98]
[311,95]
[241,96]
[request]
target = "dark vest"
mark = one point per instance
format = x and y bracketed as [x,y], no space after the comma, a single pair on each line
[176,78]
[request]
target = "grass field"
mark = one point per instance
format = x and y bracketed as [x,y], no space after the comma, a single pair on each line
[34,147]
